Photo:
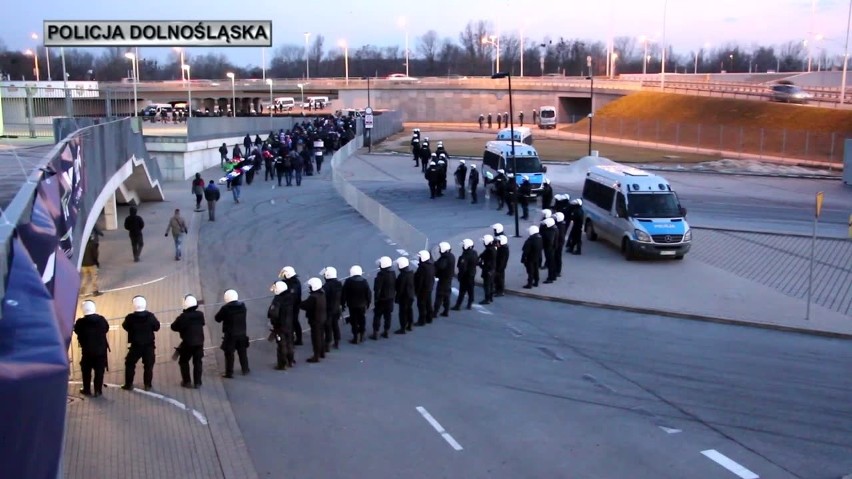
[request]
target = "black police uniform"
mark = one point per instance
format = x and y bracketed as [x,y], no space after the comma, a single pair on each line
[384,294]
[91,331]
[333,289]
[488,265]
[190,325]
[315,308]
[467,277]
[234,337]
[405,299]
[356,296]
[531,258]
[140,327]
[424,283]
[444,271]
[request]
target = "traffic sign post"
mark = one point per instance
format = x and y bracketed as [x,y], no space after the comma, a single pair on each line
[820,197]
[368,121]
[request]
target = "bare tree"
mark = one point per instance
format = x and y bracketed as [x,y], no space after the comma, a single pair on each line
[2,46]
[428,45]
[449,56]
[315,53]
[510,51]
[471,40]
[626,48]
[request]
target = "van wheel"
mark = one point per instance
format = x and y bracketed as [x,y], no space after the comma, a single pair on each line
[627,250]
[590,231]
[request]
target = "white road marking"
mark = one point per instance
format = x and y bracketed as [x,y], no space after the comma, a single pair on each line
[670,430]
[174,402]
[729,464]
[477,307]
[435,424]
[146,283]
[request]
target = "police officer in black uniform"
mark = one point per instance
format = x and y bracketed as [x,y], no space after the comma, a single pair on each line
[561,233]
[546,195]
[294,289]
[280,316]
[315,310]
[524,192]
[466,273]
[415,150]
[333,290]
[91,331]
[405,295]
[531,256]
[140,325]
[511,194]
[190,325]
[232,315]
[500,188]
[461,176]
[384,293]
[487,263]
[549,235]
[433,177]
[445,271]
[502,263]
[424,283]
[473,180]
[575,237]
[356,297]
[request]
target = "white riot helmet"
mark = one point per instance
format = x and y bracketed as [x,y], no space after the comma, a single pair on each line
[577,202]
[89,307]
[329,272]
[549,223]
[427,138]
[287,272]
[525,177]
[545,214]
[443,247]
[566,197]
[432,163]
[433,155]
[402,262]
[139,303]
[385,262]
[461,162]
[416,130]
[547,181]
[559,217]
[442,156]
[231,296]
[440,143]
[189,301]
[487,240]
[467,243]
[533,230]
[501,171]
[473,166]
[355,271]
[503,240]
[279,287]
[510,175]
[498,228]
[314,284]
[424,256]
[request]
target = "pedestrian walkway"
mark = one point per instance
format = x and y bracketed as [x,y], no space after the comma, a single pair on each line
[171,431]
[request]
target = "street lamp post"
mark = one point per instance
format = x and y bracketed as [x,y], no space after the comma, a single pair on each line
[731,63]
[68,103]
[307,58]
[183,71]
[132,58]
[403,24]
[46,55]
[644,40]
[508,76]
[185,68]
[663,68]
[845,57]
[34,54]
[263,63]
[233,94]
[345,48]
[302,88]
[591,100]
[491,41]
[369,130]
[269,82]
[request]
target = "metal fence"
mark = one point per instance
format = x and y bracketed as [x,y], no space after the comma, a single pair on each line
[735,141]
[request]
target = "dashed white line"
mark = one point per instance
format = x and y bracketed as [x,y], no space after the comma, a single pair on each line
[477,307]
[670,430]
[174,402]
[729,464]
[435,424]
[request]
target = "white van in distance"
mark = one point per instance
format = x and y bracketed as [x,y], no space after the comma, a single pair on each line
[636,211]
[547,117]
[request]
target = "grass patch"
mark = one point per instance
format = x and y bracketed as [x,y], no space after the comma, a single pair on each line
[472,144]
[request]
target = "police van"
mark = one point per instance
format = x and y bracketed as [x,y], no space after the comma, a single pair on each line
[636,211]
[285,103]
[547,117]
[522,134]
[498,156]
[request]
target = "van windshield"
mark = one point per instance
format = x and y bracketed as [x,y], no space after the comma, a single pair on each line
[653,205]
[548,113]
[526,164]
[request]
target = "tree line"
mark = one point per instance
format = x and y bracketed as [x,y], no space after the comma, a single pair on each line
[431,55]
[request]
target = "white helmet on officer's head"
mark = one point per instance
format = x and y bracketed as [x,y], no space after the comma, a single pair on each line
[498,228]
[189,301]
[139,303]
[89,307]
[577,202]
[442,156]
[533,230]
[510,175]
[329,272]
[566,197]
[424,256]
[461,162]
[355,270]
[416,140]
[416,130]
[314,284]
[440,143]
[432,163]
[525,177]
[433,154]
[559,217]
[287,272]
[443,247]
[545,214]
[402,262]
[501,171]
[473,166]
[467,243]
[547,181]
[442,162]
[230,296]
[385,262]
[279,287]
[503,240]
[550,222]
[487,240]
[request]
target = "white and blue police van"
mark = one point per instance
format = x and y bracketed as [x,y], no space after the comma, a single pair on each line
[498,156]
[636,211]
[522,134]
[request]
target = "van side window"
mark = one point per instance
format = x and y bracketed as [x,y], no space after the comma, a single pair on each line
[598,194]
[490,160]
[620,204]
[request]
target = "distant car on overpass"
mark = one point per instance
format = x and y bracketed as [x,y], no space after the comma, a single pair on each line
[401,77]
[790,94]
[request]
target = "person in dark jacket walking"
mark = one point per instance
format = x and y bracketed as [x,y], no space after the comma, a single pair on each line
[502,263]
[232,315]
[531,256]
[91,331]
[212,195]
[461,178]
[294,289]
[424,283]
[198,190]
[467,274]
[487,263]
[247,143]
[315,308]
[445,267]
[333,290]
[474,184]
[298,167]
[546,195]
[405,295]
[190,325]
[223,152]
[134,224]
[90,264]
[140,325]
[268,171]
[356,297]
[384,294]
[280,314]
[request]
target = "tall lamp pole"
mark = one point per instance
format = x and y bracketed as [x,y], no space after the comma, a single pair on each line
[233,94]
[591,100]
[345,47]
[68,102]
[132,58]
[404,24]
[508,76]
[302,88]
[34,54]
[845,57]
[663,68]
[185,68]
[307,58]
[269,82]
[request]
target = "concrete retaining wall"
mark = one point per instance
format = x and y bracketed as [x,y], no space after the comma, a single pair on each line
[179,159]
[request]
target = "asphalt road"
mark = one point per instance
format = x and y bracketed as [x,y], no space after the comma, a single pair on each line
[522,388]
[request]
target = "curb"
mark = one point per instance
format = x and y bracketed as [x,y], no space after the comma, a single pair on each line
[763,232]
[679,315]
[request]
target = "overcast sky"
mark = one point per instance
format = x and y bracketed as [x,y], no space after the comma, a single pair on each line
[690,23]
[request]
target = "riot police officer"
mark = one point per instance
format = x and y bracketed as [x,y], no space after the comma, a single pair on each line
[466,273]
[424,283]
[461,176]
[474,184]
[444,271]
[487,263]
[531,256]
[502,263]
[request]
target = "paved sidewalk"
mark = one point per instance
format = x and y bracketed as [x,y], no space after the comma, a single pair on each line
[172,431]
